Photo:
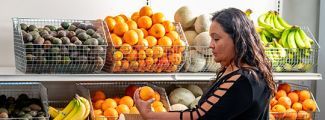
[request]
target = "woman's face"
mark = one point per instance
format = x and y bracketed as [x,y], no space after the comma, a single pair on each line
[221,44]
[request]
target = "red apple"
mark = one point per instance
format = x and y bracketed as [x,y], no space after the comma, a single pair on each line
[129,91]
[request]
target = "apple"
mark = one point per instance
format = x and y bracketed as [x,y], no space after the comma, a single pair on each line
[129,91]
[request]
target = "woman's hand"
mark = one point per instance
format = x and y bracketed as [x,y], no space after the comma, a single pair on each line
[144,107]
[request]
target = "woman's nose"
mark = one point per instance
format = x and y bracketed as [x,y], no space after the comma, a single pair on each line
[211,45]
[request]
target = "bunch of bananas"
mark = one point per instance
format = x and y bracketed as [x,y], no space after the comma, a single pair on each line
[286,45]
[77,109]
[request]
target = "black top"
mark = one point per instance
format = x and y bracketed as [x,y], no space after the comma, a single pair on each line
[245,99]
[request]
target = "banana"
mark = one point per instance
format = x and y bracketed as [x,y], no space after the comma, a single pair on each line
[261,21]
[263,39]
[67,110]
[269,19]
[304,38]
[267,34]
[275,32]
[78,112]
[53,112]
[87,105]
[258,29]
[291,41]
[248,13]
[276,22]
[281,50]
[283,39]
[300,43]
[283,22]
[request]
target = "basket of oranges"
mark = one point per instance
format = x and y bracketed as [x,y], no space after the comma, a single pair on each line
[113,100]
[145,42]
[293,102]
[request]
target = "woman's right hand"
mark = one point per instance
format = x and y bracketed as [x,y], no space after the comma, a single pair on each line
[144,107]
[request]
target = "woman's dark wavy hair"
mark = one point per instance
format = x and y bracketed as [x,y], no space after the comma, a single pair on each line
[248,48]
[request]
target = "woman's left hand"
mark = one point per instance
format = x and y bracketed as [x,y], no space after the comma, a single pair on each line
[144,107]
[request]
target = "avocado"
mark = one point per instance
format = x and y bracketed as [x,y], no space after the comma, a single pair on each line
[55,60]
[44,32]
[59,29]
[75,23]
[27,37]
[78,31]
[47,44]
[74,55]
[39,40]
[96,35]
[78,42]
[35,34]
[47,29]
[90,27]
[101,41]
[47,36]
[72,28]
[66,60]
[23,26]
[65,40]
[64,51]
[98,50]
[52,28]
[82,59]
[39,52]
[71,34]
[65,25]
[57,41]
[82,36]
[91,41]
[55,50]
[29,47]
[32,28]
[99,61]
[90,32]
[62,33]
[72,47]
[73,39]
[41,60]
[82,26]
[53,33]
[40,29]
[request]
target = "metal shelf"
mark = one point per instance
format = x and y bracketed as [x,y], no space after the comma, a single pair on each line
[11,74]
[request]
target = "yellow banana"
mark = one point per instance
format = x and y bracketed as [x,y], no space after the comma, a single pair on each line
[304,38]
[263,39]
[269,19]
[78,112]
[248,13]
[87,105]
[67,110]
[291,41]
[300,43]
[276,22]
[258,29]
[261,21]
[281,50]
[283,39]
[53,112]
[283,22]
[267,34]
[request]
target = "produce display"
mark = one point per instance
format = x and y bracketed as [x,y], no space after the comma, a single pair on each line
[22,107]
[65,47]
[145,42]
[185,97]
[288,47]
[291,104]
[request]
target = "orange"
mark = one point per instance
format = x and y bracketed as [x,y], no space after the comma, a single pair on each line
[118,55]
[152,41]
[99,95]
[297,106]
[172,68]
[131,37]
[285,101]
[117,63]
[160,109]
[117,41]
[280,93]
[142,64]
[98,104]
[110,22]
[145,32]
[178,46]
[163,62]
[98,112]
[125,18]
[290,114]
[169,26]
[175,58]
[120,28]
[165,42]
[157,30]
[149,61]
[126,48]
[110,112]
[145,11]
[122,109]
[142,44]
[140,33]
[117,69]
[157,51]
[303,115]
[303,95]
[119,19]
[309,105]
[156,104]
[284,86]
[132,25]
[157,96]
[109,103]
[278,108]
[173,35]
[134,65]
[293,96]
[158,17]
[127,100]
[149,52]
[133,55]
[125,64]
[144,22]
[117,99]
[146,93]
[273,102]
[135,16]
[142,55]
[134,110]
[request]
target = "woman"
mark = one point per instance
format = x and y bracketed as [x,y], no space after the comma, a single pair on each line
[244,84]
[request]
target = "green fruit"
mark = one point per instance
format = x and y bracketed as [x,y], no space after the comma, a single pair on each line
[39,41]
[51,27]
[82,26]
[78,42]
[64,51]
[90,27]
[28,116]
[62,33]
[82,36]
[27,37]
[33,113]
[35,34]
[39,52]
[60,28]
[30,57]
[90,32]
[47,36]
[66,60]
[23,26]
[47,29]
[29,47]
[71,34]
[78,31]
[42,32]
[101,41]
[72,47]
[55,50]
[96,35]
[82,59]
[57,41]
[73,39]
[75,23]
[53,33]
[72,28]
[287,67]
[47,44]
[56,59]
[65,25]
[99,61]
[65,40]
[32,28]
[91,41]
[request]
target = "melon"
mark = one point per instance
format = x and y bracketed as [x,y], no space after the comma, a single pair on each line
[190,35]
[212,65]
[202,23]
[181,96]
[185,16]
[202,42]
[178,107]
[196,90]
[195,102]
[196,62]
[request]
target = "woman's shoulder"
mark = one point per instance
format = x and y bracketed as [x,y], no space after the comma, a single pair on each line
[254,77]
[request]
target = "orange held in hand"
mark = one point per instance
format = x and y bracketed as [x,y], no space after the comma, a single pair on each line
[146,93]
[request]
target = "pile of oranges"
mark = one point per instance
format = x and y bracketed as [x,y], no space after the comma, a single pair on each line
[110,108]
[292,104]
[145,42]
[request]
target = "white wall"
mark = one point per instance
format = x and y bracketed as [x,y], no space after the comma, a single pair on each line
[320,84]
[94,9]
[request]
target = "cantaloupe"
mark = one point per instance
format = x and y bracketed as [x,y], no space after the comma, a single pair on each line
[190,35]
[202,42]
[195,102]
[178,107]
[212,65]
[181,96]
[196,90]
[202,23]
[185,16]
[196,62]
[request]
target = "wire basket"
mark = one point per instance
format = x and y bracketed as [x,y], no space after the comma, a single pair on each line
[117,89]
[307,115]
[141,58]
[294,60]
[37,94]
[59,45]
